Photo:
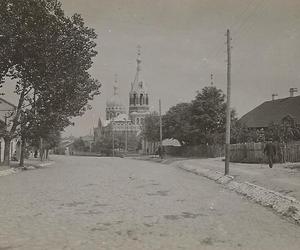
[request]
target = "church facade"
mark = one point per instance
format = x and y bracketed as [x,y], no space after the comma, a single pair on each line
[121,126]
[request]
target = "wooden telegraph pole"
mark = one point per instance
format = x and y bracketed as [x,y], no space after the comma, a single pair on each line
[160,124]
[113,137]
[126,136]
[228,113]
[160,131]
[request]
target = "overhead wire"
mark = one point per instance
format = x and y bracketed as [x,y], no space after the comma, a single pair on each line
[243,15]
[246,20]
[251,25]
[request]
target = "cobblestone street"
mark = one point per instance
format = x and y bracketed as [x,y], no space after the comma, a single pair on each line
[105,203]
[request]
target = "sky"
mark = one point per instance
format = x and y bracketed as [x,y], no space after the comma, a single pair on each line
[183,42]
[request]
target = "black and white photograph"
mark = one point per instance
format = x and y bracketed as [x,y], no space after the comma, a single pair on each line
[149,125]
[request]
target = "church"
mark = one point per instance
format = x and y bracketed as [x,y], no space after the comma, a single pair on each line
[122,127]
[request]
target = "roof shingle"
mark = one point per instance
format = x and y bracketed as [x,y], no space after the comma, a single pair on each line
[272,111]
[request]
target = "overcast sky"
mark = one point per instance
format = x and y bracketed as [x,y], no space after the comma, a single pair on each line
[183,42]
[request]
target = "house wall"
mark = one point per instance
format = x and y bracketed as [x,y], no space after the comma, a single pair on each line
[14,148]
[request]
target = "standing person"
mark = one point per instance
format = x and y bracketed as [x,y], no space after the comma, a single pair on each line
[270,152]
[159,151]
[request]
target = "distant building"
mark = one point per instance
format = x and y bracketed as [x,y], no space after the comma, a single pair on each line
[6,113]
[120,124]
[275,111]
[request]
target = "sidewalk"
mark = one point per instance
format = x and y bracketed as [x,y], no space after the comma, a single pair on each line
[277,188]
[282,178]
[29,164]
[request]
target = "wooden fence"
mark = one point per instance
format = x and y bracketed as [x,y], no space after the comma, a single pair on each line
[254,152]
[244,152]
[195,151]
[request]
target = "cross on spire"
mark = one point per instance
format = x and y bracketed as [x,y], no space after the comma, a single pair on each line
[115,85]
[138,59]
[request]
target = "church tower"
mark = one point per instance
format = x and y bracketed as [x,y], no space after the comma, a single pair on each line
[138,96]
[114,106]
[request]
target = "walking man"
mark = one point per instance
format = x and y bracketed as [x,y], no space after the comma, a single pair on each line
[270,152]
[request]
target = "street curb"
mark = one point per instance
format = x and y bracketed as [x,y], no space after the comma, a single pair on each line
[284,205]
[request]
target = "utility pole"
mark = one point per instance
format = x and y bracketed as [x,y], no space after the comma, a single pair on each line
[160,131]
[41,149]
[113,136]
[160,124]
[126,136]
[228,113]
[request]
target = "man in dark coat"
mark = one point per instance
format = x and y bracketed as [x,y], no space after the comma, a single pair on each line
[270,152]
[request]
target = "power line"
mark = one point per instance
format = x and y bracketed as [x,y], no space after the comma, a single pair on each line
[248,17]
[238,23]
[250,25]
[242,13]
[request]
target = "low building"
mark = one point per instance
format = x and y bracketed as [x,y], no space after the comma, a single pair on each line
[6,113]
[274,111]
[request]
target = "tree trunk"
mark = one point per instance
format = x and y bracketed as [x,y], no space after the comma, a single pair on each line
[47,153]
[41,149]
[7,141]
[22,155]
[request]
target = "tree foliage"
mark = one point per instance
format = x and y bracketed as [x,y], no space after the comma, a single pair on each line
[177,123]
[49,55]
[79,145]
[287,131]
[208,116]
[202,121]
[150,130]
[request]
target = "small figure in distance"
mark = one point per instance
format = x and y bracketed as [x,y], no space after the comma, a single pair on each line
[270,152]
[159,151]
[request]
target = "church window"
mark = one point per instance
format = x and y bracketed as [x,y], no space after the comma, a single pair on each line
[147,100]
[141,99]
[134,99]
[137,120]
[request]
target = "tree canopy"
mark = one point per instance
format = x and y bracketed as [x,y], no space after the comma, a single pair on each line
[150,129]
[177,123]
[49,55]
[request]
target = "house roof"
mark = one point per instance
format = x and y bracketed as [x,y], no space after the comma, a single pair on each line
[272,111]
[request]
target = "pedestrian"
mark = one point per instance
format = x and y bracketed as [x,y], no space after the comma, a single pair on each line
[270,152]
[159,151]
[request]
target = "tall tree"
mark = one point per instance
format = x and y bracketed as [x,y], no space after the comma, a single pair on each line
[49,55]
[177,123]
[208,116]
[150,129]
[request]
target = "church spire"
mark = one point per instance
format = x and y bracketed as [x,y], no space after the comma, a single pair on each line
[116,85]
[138,66]
[138,59]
